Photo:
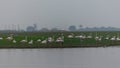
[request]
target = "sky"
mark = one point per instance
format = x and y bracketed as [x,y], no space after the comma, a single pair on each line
[59,13]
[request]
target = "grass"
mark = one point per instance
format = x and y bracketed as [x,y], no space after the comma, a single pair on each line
[68,42]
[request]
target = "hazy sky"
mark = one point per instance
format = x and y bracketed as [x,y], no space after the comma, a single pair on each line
[60,13]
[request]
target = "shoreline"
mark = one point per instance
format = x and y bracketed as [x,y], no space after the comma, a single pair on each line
[69,40]
[59,47]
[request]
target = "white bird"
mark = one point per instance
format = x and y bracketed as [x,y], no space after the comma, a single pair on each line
[70,36]
[44,42]
[84,37]
[107,38]
[9,38]
[60,39]
[39,40]
[24,40]
[50,39]
[79,36]
[113,39]
[118,39]
[96,38]
[14,41]
[1,38]
[30,42]
[99,39]
[89,36]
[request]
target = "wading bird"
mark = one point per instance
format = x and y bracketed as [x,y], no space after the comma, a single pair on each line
[1,38]
[44,42]
[14,41]
[50,39]
[39,40]
[30,42]
[9,38]
[24,40]
[60,40]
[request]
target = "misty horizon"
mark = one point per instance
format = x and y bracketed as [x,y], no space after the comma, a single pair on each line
[59,13]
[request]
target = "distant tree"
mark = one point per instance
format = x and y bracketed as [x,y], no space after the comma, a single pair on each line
[80,26]
[35,26]
[87,28]
[103,27]
[44,30]
[30,29]
[72,28]
[95,27]
[54,29]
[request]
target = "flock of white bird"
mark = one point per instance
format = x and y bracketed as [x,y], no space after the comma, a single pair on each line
[60,39]
[96,37]
[25,40]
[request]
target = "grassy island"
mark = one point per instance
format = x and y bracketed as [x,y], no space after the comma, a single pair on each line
[59,39]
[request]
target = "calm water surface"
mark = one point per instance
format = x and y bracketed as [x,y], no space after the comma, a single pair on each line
[60,58]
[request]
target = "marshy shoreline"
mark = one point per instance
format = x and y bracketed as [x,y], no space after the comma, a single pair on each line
[52,47]
[34,40]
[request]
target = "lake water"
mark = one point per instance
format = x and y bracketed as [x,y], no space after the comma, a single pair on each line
[60,58]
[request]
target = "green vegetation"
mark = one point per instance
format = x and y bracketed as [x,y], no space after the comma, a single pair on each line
[77,39]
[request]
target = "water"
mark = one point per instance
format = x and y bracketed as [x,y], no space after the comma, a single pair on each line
[60,58]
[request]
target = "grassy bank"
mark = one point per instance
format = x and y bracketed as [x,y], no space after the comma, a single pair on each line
[70,39]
